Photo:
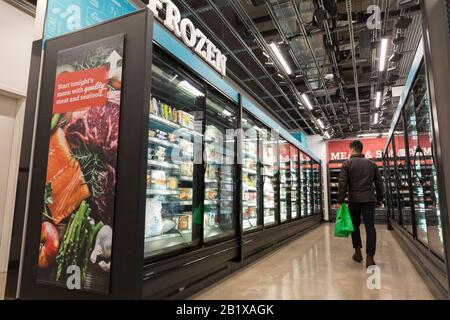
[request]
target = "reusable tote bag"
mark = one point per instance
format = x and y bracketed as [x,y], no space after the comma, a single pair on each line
[344,225]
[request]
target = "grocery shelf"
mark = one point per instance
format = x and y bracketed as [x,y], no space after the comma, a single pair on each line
[163,143]
[162,192]
[162,164]
[165,122]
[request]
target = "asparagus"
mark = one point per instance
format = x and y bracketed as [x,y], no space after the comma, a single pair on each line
[92,233]
[76,222]
[62,250]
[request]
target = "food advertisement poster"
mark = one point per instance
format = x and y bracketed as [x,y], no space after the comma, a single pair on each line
[78,211]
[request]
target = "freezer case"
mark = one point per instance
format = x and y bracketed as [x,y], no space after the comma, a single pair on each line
[285,181]
[175,122]
[220,163]
[251,169]
[295,183]
[307,185]
[270,172]
[317,187]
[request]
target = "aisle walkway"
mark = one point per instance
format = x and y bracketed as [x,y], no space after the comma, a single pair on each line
[318,266]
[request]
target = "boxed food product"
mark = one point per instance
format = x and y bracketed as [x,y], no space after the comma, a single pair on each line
[152,133]
[212,172]
[154,106]
[245,214]
[212,155]
[185,194]
[153,218]
[157,153]
[185,119]
[211,194]
[172,183]
[149,179]
[158,180]
[186,169]
[172,137]
[184,222]
[161,135]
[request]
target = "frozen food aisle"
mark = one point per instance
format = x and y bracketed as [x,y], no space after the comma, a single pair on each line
[318,266]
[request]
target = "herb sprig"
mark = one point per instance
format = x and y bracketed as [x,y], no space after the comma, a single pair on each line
[92,166]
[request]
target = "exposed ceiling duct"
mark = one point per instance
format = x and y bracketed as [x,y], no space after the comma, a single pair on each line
[326,43]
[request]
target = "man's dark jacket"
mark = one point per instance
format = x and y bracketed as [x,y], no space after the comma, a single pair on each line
[360,177]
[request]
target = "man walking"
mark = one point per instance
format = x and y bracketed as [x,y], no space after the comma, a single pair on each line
[360,177]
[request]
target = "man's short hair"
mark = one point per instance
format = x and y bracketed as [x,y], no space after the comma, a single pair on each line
[357,146]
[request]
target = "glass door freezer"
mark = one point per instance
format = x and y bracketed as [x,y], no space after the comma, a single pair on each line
[270,174]
[220,167]
[285,180]
[176,106]
[251,173]
[295,182]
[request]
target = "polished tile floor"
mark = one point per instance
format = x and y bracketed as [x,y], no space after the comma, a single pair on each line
[2,285]
[319,266]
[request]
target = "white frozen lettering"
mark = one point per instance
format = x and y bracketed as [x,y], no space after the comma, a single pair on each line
[191,36]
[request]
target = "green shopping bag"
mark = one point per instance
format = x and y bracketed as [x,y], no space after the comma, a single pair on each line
[344,224]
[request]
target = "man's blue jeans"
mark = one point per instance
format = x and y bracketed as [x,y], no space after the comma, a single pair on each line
[367,211]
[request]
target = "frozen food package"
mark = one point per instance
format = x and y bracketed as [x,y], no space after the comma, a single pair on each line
[153,218]
[172,183]
[154,106]
[159,154]
[183,222]
[185,194]
[186,169]
[211,194]
[158,180]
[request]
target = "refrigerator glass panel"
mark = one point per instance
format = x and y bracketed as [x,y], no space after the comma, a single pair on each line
[285,176]
[424,178]
[417,174]
[404,183]
[391,183]
[251,191]
[220,164]
[294,166]
[269,177]
[306,183]
[317,190]
[175,106]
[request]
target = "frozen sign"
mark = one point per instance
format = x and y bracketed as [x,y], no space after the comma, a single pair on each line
[192,37]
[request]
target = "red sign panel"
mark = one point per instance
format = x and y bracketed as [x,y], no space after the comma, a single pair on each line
[75,91]
[339,150]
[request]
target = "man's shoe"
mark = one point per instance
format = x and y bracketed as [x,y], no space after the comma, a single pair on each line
[370,261]
[357,257]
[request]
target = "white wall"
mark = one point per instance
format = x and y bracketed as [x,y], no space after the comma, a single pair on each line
[17,31]
[16,36]
[12,110]
[319,147]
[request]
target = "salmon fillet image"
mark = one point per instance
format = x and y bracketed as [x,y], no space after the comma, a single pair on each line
[67,181]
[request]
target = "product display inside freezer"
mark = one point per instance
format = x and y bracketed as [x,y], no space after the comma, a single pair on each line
[219,204]
[188,120]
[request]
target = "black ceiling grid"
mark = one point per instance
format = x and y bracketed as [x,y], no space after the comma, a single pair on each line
[314,37]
